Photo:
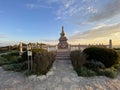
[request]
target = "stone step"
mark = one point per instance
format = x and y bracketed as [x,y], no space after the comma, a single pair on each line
[62,58]
[64,52]
[63,55]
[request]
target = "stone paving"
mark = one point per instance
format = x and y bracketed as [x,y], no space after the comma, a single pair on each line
[60,77]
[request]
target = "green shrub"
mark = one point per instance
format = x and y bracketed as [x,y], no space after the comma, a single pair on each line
[8,67]
[14,53]
[16,67]
[24,65]
[83,71]
[109,72]
[94,65]
[107,56]
[8,58]
[3,61]
[24,55]
[78,58]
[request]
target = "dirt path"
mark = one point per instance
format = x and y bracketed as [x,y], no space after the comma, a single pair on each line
[61,77]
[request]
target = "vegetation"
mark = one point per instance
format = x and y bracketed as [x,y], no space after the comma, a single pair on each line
[18,67]
[106,56]
[12,61]
[96,61]
[9,58]
[78,58]
[83,71]
[42,61]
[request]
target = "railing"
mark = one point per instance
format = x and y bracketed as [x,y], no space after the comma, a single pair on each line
[55,47]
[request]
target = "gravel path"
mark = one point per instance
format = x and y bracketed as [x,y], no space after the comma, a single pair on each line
[60,77]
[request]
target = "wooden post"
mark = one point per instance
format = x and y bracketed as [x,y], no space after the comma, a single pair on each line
[28,58]
[30,61]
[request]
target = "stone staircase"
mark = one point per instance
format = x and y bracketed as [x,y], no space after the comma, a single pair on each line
[63,54]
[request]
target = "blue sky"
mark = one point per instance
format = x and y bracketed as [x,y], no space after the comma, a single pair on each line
[84,21]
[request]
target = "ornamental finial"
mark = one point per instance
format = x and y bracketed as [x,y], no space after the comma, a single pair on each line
[62,29]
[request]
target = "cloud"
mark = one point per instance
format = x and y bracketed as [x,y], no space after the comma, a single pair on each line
[101,32]
[80,11]
[37,6]
[66,8]
[109,10]
[87,11]
[74,8]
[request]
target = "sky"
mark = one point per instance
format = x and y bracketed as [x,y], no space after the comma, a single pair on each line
[84,21]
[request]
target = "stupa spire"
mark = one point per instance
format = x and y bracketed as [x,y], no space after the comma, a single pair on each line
[62,33]
[62,29]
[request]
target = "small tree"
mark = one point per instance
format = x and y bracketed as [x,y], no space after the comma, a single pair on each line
[107,56]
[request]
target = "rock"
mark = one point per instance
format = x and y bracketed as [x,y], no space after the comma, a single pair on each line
[32,77]
[75,79]
[66,79]
[59,87]
[53,68]
[43,77]
[50,73]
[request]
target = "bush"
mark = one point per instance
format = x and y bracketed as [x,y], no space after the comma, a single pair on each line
[43,61]
[24,56]
[107,72]
[8,67]
[16,67]
[107,56]
[110,73]
[94,64]
[3,61]
[78,58]
[83,71]
[9,58]
[14,53]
